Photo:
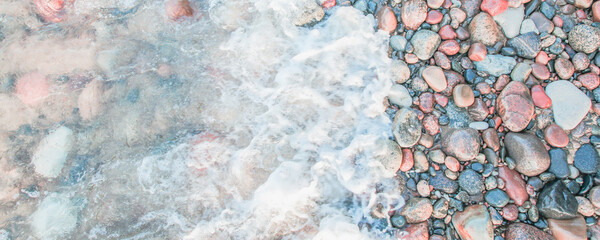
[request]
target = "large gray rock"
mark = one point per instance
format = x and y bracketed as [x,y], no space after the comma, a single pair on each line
[556,202]
[425,43]
[529,153]
[584,38]
[496,65]
[406,127]
[569,104]
[474,223]
[510,20]
[484,29]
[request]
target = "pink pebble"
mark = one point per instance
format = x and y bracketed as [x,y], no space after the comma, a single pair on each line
[32,88]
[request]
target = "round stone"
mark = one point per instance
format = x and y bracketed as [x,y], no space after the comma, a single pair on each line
[406,128]
[586,159]
[496,198]
[461,143]
[471,182]
[417,210]
[435,78]
[386,19]
[584,38]
[556,136]
[463,95]
[528,152]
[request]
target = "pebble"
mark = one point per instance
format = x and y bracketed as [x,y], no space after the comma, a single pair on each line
[417,231]
[496,198]
[435,78]
[389,155]
[461,143]
[484,29]
[413,14]
[447,33]
[528,26]
[479,110]
[398,43]
[580,61]
[584,38]
[563,68]
[479,125]
[540,99]
[54,218]
[584,206]
[406,128]
[463,95]
[515,186]
[522,231]
[431,125]
[556,136]
[491,139]
[515,106]
[510,20]
[558,166]
[386,19]
[477,52]
[452,163]
[471,182]
[177,9]
[440,209]
[425,43]
[494,7]
[556,201]
[400,71]
[435,4]
[398,220]
[449,47]
[474,223]
[50,10]
[421,163]
[51,154]
[496,65]
[32,88]
[426,102]
[528,152]
[521,72]
[569,104]
[542,23]
[407,160]
[589,80]
[434,17]
[442,183]
[596,12]
[526,45]
[510,212]
[311,13]
[568,229]
[583,3]
[400,96]
[417,210]
[586,159]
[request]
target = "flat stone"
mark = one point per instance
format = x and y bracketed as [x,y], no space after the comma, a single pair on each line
[496,65]
[477,52]
[584,38]
[521,72]
[580,61]
[510,20]
[586,159]
[569,104]
[594,196]
[425,43]
[463,95]
[435,78]
[529,153]
[584,207]
[417,210]
[528,26]
[386,19]
[563,68]
[400,71]
[494,7]
[398,43]
[400,96]
[569,229]
[558,166]
[541,99]
[527,45]
[406,127]
[491,139]
[442,183]
[515,106]
[556,136]
[542,23]
[471,182]
[496,198]
[556,202]
[522,231]
[474,223]
[484,29]
[461,143]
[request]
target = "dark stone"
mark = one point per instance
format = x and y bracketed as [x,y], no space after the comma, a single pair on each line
[531,6]
[528,152]
[586,159]
[471,182]
[526,45]
[458,117]
[548,10]
[442,183]
[558,163]
[556,202]
[496,197]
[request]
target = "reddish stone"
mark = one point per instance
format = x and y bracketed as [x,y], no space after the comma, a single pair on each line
[542,58]
[435,4]
[478,110]
[494,7]
[426,102]
[515,106]
[510,212]
[417,231]
[51,10]
[491,139]
[540,71]
[462,33]
[564,68]
[556,136]
[447,4]
[447,33]
[411,58]
[596,108]
[522,231]
[540,99]
[431,125]
[407,160]
[328,3]
[558,22]
[452,163]
[501,82]
[571,229]
[589,80]
[434,17]
[474,223]
[477,52]
[32,88]
[483,88]
[386,19]
[580,14]
[596,11]
[440,99]
[449,47]
[177,9]
[442,60]
[515,186]
[414,13]
[452,79]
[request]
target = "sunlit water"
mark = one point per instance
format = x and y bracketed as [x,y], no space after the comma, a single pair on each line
[232,124]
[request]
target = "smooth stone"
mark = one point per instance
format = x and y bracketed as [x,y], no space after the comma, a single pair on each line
[51,154]
[389,154]
[528,26]
[515,186]
[496,197]
[474,223]
[563,68]
[55,217]
[418,231]
[400,96]
[528,152]
[400,71]
[442,183]
[440,208]
[586,159]
[542,23]
[569,229]
[556,136]
[386,19]
[558,163]
[485,30]
[541,100]
[527,45]
[479,125]
[413,13]
[425,43]
[594,196]
[569,104]
[463,95]
[417,210]
[584,38]
[521,72]
[491,139]
[522,231]
[406,128]
[461,143]
[471,182]
[556,201]
[398,43]
[515,106]
[496,65]
[435,78]
[510,20]
[584,207]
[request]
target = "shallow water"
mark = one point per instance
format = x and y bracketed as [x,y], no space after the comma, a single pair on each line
[232,124]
